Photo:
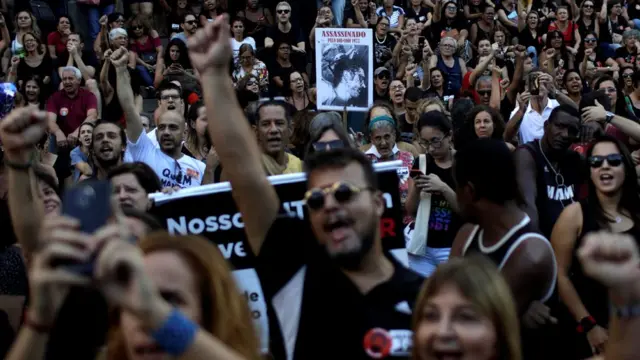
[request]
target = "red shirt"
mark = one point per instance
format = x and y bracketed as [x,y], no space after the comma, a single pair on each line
[55,38]
[71,113]
[148,47]
[568,32]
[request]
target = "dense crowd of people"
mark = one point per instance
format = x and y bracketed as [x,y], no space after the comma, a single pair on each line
[514,128]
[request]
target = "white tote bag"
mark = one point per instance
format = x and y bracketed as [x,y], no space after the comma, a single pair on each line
[418,243]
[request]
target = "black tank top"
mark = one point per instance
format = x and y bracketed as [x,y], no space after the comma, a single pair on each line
[557,187]
[502,250]
[593,295]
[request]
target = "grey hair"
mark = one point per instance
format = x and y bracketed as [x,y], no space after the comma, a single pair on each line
[455,43]
[323,120]
[630,33]
[381,124]
[117,31]
[74,70]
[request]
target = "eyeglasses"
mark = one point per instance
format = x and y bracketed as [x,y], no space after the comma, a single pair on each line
[297,80]
[283,11]
[610,90]
[590,40]
[343,192]
[613,160]
[435,142]
[170,97]
[328,145]
[397,87]
[190,22]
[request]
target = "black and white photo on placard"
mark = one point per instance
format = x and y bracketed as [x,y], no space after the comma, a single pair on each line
[344,69]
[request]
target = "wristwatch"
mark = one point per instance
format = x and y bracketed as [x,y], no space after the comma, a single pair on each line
[609,117]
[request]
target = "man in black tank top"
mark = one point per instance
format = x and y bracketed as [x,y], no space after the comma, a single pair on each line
[488,195]
[548,173]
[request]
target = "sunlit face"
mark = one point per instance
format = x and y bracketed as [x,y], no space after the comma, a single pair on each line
[32,90]
[384,139]
[170,131]
[484,48]
[24,20]
[50,198]
[178,285]
[562,14]
[607,178]
[532,20]
[296,82]
[609,88]
[129,192]
[30,43]
[107,146]
[396,91]
[483,124]
[346,230]
[273,130]
[437,143]
[573,83]
[64,24]
[238,28]
[450,326]
[85,135]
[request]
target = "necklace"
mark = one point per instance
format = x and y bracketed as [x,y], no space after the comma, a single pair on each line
[383,40]
[559,179]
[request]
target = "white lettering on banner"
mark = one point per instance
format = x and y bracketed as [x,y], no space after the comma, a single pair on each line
[401,342]
[294,208]
[197,226]
[560,193]
[229,249]
[249,285]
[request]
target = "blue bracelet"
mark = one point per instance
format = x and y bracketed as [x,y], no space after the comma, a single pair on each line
[176,334]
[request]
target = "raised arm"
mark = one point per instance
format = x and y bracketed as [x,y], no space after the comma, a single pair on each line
[210,52]
[120,59]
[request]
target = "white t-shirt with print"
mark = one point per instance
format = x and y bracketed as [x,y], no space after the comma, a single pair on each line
[184,172]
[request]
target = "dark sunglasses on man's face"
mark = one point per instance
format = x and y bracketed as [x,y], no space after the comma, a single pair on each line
[484,92]
[137,27]
[613,160]
[328,145]
[284,11]
[627,75]
[343,192]
[383,76]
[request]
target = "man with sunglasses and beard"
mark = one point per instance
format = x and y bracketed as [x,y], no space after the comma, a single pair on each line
[285,32]
[353,292]
[189,27]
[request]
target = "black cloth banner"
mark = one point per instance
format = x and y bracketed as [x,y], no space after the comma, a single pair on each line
[210,211]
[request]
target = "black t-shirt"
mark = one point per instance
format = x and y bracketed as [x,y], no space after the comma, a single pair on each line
[609,27]
[406,129]
[438,30]
[293,37]
[351,14]
[283,73]
[444,223]
[335,318]
[526,39]
[420,16]
[626,55]
[383,50]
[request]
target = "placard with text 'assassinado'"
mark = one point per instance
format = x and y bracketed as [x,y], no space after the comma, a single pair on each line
[210,211]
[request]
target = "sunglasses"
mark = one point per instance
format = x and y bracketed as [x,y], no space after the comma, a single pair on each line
[251,83]
[588,6]
[328,145]
[343,192]
[484,92]
[284,11]
[627,75]
[614,160]
[137,27]
[383,76]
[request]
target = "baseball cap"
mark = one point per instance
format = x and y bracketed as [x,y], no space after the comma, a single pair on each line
[380,70]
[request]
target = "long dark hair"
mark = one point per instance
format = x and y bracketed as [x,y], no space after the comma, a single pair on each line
[630,199]
[184,56]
